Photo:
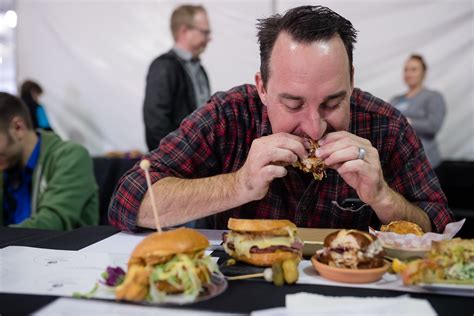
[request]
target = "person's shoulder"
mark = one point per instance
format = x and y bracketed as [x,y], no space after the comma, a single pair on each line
[240,101]
[431,93]
[366,102]
[239,93]
[168,58]
[396,98]
[54,145]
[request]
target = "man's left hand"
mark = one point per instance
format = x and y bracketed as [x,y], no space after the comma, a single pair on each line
[340,151]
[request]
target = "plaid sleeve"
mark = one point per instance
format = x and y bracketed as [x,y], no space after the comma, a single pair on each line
[412,176]
[201,147]
[126,199]
[174,157]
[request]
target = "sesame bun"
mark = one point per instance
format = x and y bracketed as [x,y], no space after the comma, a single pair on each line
[276,227]
[159,247]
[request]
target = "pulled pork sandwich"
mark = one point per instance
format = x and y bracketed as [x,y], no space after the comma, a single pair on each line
[312,163]
[167,263]
[449,261]
[351,249]
[262,242]
[402,227]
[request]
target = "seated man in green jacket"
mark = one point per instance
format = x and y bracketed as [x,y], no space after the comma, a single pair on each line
[45,182]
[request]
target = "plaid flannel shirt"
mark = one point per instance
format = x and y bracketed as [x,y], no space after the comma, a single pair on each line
[216,139]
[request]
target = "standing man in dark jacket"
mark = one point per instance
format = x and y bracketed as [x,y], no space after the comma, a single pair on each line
[177,83]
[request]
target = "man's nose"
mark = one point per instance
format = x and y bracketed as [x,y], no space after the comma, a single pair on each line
[315,125]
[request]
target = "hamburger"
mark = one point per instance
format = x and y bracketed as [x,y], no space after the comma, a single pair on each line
[449,261]
[167,263]
[351,249]
[262,242]
[402,227]
[312,163]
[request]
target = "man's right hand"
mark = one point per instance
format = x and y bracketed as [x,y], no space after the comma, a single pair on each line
[267,159]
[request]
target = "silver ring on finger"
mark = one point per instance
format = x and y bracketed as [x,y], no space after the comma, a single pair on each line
[362,153]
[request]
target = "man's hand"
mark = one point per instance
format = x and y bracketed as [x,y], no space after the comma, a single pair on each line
[266,161]
[340,151]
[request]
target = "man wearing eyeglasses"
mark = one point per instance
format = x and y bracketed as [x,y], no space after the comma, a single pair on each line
[177,83]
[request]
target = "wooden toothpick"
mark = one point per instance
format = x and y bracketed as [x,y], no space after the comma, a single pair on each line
[145,166]
[245,276]
[267,274]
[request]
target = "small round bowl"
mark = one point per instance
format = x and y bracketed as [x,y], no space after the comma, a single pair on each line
[349,275]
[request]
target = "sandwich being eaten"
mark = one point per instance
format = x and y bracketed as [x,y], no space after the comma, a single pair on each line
[262,242]
[168,263]
[312,163]
[351,249]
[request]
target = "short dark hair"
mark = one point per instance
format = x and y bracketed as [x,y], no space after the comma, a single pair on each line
[11,106]
[421,60]
[29,86]
[184,15]
[305,24]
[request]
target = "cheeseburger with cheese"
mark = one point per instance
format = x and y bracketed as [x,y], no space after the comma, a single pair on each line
[262,242]
[167,263]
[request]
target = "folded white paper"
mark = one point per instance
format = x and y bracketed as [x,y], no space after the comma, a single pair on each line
[315,304]
[69,306]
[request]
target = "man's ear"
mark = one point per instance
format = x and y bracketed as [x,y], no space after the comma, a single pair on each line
[17,127]
[262,93]
[182,30]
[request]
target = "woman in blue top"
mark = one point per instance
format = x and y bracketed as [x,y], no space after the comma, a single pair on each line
[425,109]
[30,94]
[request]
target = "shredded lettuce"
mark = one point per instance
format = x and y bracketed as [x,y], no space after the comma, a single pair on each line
[182,272]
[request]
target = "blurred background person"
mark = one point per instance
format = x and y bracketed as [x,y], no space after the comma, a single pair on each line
[177,83]
[45,182]
[425,109]
[30,94]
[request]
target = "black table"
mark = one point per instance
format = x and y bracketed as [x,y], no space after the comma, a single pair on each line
[240,297]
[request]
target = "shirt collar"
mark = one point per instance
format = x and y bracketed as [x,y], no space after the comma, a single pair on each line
[33,160]
[183,54]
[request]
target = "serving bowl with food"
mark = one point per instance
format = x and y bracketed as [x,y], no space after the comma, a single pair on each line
[406,240]
[350,256]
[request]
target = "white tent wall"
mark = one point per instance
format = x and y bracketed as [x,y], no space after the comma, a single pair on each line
[92,58]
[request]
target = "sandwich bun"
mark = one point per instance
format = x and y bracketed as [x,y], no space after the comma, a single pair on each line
[402,227]
[160,247]
[363,239]
[275,227]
